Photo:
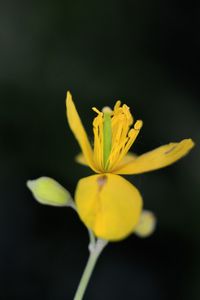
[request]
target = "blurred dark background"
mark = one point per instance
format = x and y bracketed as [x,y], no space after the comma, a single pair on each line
[146,54]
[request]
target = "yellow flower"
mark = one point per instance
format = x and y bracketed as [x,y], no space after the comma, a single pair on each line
[107,203]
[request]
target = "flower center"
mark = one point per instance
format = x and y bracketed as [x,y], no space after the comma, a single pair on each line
[113,136]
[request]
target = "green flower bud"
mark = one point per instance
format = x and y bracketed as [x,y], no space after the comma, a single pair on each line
[48,191]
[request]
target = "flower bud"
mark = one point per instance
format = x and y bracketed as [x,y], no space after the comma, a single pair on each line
[146,224]
[48,191]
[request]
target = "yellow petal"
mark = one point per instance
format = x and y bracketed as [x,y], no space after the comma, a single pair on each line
[146,225]
[156,159]
[109,205]
[48,191]
[79,131]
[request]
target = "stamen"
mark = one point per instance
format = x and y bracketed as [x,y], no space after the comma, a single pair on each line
[138,125]
[96,110]
[98,140]
[117,105]
[122,136]
[132,135]
[113,136]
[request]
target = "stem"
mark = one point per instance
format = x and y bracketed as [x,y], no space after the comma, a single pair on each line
[94,254]
[92,243]
[86,277]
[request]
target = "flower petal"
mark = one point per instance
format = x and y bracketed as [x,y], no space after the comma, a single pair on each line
[79,131]
[156,159]
[109,205]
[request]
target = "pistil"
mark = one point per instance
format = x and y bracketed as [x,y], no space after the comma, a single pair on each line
[107,136]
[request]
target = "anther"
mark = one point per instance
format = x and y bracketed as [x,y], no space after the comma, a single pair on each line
[96,110]
[138,125]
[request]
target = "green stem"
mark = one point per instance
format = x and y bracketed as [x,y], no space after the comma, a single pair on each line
[94,254]
[86,277]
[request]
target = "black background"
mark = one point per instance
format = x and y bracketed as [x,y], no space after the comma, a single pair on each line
[142,52]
